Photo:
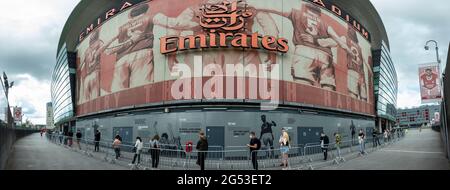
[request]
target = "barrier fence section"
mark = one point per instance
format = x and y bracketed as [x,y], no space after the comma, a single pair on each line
[170,157]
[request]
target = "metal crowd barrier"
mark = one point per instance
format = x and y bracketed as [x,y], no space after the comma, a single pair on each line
[220,158]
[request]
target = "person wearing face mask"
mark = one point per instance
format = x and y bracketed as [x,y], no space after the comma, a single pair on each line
[202,148]
[255,145]
[324,142]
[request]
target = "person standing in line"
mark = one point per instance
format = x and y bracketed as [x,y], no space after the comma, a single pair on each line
[353,129]
[138,151]
[155,150]
[118,137]
[338,138]
[97,138]
[70,137]
[61,137]
[394,133]
[65,135]
[255,145]
[284,147]
[79,135]
[324,142]
[378,138]
[55,136]
[375,139]
[202,148]
[389,135]
[361,138]
[116,146]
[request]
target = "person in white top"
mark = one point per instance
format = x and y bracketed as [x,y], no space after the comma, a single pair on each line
[284,147]
[138,150]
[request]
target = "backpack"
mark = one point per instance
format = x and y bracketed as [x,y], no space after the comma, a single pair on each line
[326,141]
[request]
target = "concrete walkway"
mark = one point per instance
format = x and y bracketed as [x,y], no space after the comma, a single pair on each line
[418,151]
[36,153]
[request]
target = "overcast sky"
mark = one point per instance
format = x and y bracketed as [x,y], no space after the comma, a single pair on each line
[30,30]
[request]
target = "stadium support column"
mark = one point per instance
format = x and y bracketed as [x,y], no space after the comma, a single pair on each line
[380,129]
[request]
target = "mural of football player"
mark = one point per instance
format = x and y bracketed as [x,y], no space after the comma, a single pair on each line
[90,67]
[429,80]
[268,26]
[357,83]
[192,16]
[134,51]
[313,40]
[188,21]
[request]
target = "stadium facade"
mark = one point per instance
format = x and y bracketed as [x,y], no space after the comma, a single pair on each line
[123,69]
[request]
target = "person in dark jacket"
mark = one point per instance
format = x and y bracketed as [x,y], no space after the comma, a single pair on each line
[324,142]
[97,138]
[155,151]
[70,137]
[202,148]
[79,135]
[255,145]
[353,129]
[375,139]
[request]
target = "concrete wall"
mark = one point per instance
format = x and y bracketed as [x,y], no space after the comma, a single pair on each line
[303,128]
[445,115]
[8,137]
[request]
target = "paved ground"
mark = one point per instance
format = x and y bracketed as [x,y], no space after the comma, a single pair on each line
[418,151]
[36,153]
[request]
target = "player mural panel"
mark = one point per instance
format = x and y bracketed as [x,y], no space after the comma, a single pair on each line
[430,83]
[297,51]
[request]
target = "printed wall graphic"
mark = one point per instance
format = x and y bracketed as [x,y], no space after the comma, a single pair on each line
[430,83]
[130,58]
[18,114]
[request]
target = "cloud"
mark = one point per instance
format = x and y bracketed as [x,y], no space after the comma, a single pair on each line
[32,95]
[30,40]
[29,36]
[409,24]
[30,32]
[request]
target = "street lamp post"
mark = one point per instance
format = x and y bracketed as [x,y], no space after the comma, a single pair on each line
[6,86]
[427,47]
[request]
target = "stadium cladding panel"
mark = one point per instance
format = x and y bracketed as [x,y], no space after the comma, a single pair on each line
[314,58]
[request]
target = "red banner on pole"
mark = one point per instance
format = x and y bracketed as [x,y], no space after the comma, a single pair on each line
[430,83]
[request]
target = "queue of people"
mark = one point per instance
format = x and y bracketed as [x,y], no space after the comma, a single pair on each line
[285,145]
[254,146]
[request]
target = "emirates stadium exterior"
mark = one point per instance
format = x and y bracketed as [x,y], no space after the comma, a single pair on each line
[174,67]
